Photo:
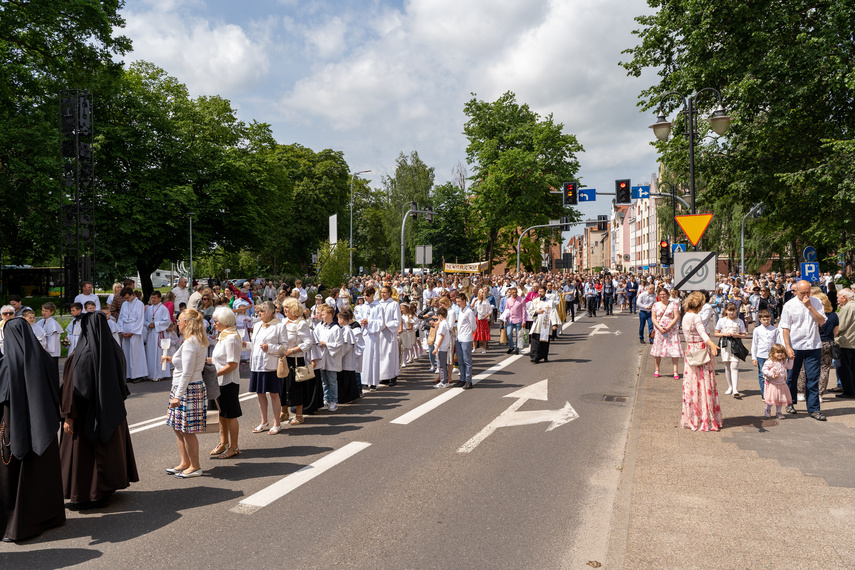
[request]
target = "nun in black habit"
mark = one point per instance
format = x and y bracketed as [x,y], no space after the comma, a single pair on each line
[30,476]
[95,445]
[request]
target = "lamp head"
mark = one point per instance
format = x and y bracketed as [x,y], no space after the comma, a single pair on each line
[719,121]
[662,127]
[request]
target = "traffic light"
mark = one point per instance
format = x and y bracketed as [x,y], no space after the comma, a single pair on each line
[414,206]
[664,252]
[623,192]
[429,215]
[571,193]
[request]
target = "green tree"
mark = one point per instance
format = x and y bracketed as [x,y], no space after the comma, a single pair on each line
[786,72]
[45,47]
[517,157]
[412,182]
[160,155]
[333,263]
[321,188]
[371,242]
[447,234]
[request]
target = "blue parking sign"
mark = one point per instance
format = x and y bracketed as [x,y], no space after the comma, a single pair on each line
[810,271]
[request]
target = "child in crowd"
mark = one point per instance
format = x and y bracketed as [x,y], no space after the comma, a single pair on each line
[30,316]
[764,336]
[89,307]
[242,323]
[417,344]
[404,334]
[53,331]
[441,346]
[349,386]
[777,392]
[111,322]
[730,326]
[72,333]
[328,338]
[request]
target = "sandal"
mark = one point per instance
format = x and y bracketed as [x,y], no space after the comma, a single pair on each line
[284,417]
[230,452]
[261,428]
[297,420]
[275,430]
[656,374]
[220,449]
[676,376]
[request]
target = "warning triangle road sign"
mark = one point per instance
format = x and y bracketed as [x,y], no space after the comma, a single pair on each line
[694,225]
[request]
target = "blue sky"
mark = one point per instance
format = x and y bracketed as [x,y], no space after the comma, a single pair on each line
[373,78]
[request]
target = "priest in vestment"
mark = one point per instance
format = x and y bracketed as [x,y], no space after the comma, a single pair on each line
[156,321]
[131,328]
[388,339]
[371,323]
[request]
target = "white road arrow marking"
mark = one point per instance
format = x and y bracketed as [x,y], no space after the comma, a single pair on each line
[513,417]
[618,333]
[598,329]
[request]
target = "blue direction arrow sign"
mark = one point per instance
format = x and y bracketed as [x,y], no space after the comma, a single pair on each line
[640,192]
[587,194]
[809,253]
[810,271]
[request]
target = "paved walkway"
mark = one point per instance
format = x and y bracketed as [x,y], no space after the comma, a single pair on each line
[758,494]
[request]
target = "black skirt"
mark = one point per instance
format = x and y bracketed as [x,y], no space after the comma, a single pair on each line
[308,394]
[348,387]
[229,401]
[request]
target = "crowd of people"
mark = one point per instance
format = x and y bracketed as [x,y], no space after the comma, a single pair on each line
[312,349]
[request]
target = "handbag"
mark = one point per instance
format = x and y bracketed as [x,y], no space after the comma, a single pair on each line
[431,339]
[209,376]
[503,337]
[738,349]
[698,357]
[303,373]
[282,369]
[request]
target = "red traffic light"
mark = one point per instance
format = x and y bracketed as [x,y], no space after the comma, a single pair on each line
[663,243]
[623,184]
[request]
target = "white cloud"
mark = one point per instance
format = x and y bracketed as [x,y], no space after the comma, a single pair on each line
[209,57]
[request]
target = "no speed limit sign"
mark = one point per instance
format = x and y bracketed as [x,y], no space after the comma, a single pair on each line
[695,270]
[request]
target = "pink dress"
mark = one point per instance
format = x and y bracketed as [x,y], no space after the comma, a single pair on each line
[775,389]
[667,344]
[701,410]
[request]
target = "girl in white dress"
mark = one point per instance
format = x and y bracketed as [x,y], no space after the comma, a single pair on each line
[730,326]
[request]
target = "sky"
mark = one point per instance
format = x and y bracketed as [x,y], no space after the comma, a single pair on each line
[374,78]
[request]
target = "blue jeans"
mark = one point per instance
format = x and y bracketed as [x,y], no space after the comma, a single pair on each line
[464,360]
[431,356]
[644,316]
[811,361]
[329,379]
[513,332]
[760,363]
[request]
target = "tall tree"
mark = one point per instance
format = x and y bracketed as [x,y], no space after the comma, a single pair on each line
[161,155]
[412,182]
[517,157]
[45,47]
[448,232]
[786,72]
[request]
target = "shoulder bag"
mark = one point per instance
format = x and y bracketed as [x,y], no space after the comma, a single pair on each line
[282,367]
[303,373]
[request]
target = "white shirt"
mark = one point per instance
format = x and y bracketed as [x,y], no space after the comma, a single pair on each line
[466,325]
[275,336]
[226,351]
[182,295]
[804,331]
[443,330]
[188,362]
[762,340]
[90,297]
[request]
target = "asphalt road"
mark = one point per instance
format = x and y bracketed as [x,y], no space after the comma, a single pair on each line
[407,477]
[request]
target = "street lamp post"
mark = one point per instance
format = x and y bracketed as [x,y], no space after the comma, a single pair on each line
[191,214]
[719,121]
[351,216]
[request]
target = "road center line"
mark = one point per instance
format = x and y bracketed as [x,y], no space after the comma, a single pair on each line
[290,482]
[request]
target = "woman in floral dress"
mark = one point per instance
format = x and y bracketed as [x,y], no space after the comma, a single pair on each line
[666,340]
[701,410]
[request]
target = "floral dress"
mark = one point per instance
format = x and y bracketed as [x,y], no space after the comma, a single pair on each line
[667,344]
[701,410]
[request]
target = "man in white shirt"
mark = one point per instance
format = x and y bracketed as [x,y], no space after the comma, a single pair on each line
[466,324]
[800,321]
[298,285]
[182,294]
[195,299]
[88,295]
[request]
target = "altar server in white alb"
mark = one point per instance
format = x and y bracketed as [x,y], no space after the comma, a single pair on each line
[132,326]
[371,323]
[156,322]
[328,338]
[53,330]
[390,361]
[72,331]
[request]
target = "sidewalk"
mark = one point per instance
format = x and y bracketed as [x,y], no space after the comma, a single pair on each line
[758,494]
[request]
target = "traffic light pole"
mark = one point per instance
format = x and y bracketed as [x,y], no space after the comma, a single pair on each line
[525,231]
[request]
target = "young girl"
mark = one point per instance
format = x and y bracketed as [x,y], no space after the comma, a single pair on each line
[443,336]
[404,331]
[776,392]
[730,326]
